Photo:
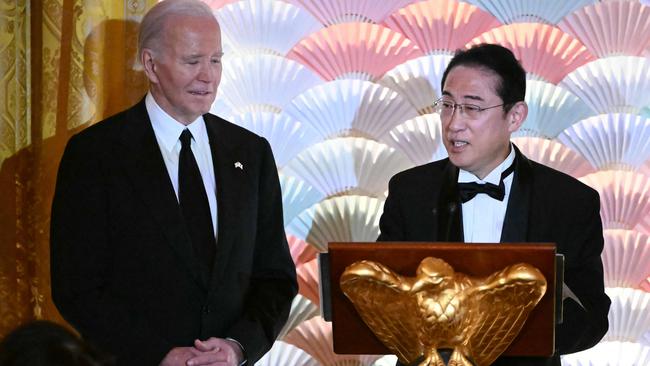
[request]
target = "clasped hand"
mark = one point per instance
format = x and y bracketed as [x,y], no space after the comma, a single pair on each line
[211,352]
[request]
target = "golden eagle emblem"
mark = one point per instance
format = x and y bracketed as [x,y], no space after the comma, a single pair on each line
[477,318]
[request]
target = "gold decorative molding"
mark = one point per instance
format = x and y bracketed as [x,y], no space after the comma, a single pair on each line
[14,78]
[48,54]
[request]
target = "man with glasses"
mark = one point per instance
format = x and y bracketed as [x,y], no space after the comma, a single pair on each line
[487,191]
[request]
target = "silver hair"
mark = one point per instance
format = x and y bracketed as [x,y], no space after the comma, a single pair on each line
[153,23]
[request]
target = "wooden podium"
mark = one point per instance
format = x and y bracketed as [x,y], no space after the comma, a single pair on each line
[352,336]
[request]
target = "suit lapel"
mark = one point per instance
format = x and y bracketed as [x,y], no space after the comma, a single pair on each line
[146,169]
[225,153]
[448,207]
[515,223]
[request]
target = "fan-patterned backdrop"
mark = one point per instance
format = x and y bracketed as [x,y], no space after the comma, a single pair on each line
[343,90]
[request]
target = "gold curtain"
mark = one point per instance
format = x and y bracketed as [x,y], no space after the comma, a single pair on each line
[64,64]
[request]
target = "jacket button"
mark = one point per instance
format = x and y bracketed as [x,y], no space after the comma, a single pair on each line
[206,310]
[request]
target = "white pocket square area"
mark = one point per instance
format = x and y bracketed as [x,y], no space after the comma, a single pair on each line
[239,165]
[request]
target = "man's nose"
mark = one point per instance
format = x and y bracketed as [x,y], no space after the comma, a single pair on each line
[456,121]
[207,72]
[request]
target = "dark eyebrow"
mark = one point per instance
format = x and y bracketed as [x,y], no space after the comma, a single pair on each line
[472,97]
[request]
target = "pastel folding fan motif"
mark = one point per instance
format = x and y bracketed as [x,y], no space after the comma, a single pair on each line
[263,82]
[418,80]
[544,51]
[330,12]
[301,309]
[283,353]
[624,197]
[301,251]
[217,4]
[315,337]
[350,108]
[551,109]
[348,166]
[626,258]
[610,353]
[555,155]
[297,196]
[440,25]
[546,11]
[264,26]
[307,274]
[611,141]
[287,136]
[221,108]
[354,50]
[612,84]
[628,318]
[611,28]
[343,218]
[419,138]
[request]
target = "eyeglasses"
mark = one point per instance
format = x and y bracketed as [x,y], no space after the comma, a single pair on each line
[446,108]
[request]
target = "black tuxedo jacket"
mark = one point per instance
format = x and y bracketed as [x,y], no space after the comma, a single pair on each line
[544,206]
[122,267]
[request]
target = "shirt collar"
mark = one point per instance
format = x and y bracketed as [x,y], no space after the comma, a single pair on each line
[495,175]
[167,129]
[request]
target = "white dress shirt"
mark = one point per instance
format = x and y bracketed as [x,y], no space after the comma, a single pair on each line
[483,215]
[168,132]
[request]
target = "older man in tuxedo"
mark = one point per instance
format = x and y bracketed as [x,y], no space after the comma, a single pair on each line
[167,240]
[487,191]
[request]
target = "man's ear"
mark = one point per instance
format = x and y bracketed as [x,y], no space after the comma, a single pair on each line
[517,115]
[149,65]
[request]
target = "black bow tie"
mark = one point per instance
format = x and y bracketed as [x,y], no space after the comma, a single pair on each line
[468,191]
